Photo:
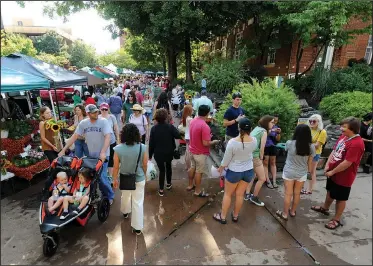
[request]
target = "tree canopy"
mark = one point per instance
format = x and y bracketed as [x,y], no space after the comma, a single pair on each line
[16,43]
[50,43]
[82,54]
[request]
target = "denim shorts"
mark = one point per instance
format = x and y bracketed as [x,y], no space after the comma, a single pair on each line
[316,158]
[235,177]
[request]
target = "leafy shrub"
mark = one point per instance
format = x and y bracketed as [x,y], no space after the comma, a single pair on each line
[341,105]
[303,84]
[222,75]
[259,99]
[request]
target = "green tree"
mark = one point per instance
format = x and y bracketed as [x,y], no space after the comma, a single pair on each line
[59,60]
[16,43]
[50,43]
[120,58]
[82,54]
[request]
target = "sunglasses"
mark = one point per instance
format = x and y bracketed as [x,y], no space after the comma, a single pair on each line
[312,121]
[104,109]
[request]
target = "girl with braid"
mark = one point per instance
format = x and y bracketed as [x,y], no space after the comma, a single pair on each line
[238,158]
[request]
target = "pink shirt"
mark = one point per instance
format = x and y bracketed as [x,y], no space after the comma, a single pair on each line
[199,131]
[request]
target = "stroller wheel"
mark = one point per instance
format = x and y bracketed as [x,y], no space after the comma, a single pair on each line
[103,209]
[50,246]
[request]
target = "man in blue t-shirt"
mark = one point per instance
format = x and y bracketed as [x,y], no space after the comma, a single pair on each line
[232,116]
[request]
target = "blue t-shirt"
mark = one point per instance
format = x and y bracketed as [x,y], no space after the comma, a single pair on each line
[231,114]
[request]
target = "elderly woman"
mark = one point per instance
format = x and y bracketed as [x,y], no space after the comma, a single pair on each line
[162,146]
[126,161]
[319,136]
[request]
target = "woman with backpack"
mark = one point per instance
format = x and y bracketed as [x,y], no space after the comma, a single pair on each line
[139,120]
[319,137]
[299,159]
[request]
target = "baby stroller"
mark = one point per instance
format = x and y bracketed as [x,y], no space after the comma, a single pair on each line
[50,225]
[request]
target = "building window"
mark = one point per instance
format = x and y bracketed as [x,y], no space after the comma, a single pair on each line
[239,36]
[271,56]
[368,51]
[20,23]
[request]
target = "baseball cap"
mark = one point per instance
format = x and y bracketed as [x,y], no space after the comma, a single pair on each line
[104,105]
[244,124]
[91,108]
[87,93]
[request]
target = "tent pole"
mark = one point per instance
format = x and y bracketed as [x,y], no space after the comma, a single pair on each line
[59,117]
[54,111]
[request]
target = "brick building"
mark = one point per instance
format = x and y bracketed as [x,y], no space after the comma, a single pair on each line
[282,61]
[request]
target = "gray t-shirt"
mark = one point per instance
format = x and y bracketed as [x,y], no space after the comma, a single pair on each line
[296,166]
[95,135]
[128,157]
[112,121]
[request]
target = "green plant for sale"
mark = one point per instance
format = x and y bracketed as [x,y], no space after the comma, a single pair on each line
[222,75]
[344,104]
[18,129]
[264,98]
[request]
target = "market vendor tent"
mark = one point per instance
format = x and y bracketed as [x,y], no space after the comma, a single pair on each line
[86,69]
[92,80]
[13,81]
[106,71]
[112,68]
[58,76]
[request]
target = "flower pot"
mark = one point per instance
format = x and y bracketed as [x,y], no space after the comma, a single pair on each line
[4,134]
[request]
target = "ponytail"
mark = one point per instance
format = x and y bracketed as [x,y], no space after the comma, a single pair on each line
[242,135]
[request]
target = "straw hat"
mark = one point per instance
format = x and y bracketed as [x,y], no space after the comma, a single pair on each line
[137,107]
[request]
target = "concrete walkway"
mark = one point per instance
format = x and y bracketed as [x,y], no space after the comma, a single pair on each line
[179,229]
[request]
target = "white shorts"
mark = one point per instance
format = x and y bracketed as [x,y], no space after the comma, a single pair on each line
[302,179]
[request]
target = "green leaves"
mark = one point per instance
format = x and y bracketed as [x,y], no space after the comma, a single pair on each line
[120,58]
[16,43]
[341,105]
[50,43]
[265,98]
[82,55]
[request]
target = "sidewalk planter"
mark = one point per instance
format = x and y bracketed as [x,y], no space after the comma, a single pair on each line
[4,134]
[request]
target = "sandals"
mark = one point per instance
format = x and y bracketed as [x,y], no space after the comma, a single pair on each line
[269,185]
[305,192]
[333,224]
[275,185]
[190,189]
[281,215]
[292,215]
[202,194]
[217,217]
[234,219]
[321,210]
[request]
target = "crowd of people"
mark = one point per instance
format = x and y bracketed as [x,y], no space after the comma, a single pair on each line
[142,111]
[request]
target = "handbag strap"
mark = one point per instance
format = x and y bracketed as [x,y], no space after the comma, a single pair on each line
[138,159]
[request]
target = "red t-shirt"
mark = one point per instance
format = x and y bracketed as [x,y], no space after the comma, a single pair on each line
[139,97]
[199,131]
[90,100]
[347,149]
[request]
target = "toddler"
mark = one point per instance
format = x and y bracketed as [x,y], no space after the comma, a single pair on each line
[60,190]
[80,196]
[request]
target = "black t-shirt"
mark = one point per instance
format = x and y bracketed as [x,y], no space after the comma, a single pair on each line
[364,132]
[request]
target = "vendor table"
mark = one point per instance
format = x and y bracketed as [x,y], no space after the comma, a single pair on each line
[29,172]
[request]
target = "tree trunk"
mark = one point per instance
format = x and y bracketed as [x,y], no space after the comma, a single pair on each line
[314,60]
[172,67]
[188,60]
[298,58]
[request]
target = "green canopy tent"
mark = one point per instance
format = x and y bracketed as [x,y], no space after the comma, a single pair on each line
[99,74]
[14,81]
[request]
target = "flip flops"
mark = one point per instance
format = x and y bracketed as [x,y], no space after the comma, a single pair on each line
[281,215]
[217,217]
[202,194]
[269,185]
[190,189]
[234,219]
[292,215]
[305,192]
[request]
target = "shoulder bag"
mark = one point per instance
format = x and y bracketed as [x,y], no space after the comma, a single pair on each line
[128,181]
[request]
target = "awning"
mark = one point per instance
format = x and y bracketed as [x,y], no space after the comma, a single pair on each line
[13,81]
[99,74]
[92,80]
[58,76]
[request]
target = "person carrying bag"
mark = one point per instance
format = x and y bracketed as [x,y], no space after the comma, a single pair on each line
[132,184]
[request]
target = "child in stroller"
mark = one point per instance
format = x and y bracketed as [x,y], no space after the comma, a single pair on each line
[60,190]
[80,197]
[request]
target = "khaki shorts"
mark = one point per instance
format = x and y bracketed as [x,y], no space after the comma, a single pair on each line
[199,163]
[257,162]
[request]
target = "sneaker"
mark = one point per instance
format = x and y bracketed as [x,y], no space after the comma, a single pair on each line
[125,215]
[248,196]
[76,212]
[137,232]
[256,201]
[168,186]
[160,193]
[64,215]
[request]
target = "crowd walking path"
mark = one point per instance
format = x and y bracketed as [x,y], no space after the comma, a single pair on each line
[179,229]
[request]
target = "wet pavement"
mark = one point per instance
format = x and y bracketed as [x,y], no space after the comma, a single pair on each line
[179,229]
